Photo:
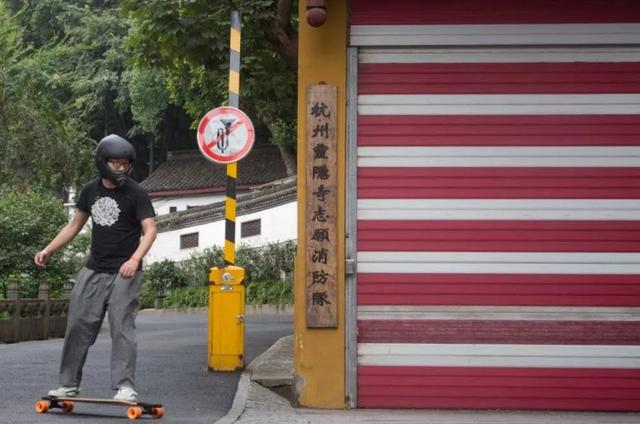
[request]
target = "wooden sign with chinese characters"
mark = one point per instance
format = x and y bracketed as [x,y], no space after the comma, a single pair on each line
[321,208]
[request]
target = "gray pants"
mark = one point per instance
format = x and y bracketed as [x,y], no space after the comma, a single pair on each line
[93,295]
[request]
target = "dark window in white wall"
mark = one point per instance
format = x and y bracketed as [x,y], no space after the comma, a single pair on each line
[189,240]
[250,228]
[173,209]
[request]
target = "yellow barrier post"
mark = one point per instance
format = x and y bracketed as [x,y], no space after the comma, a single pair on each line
[226,289]
[226,318]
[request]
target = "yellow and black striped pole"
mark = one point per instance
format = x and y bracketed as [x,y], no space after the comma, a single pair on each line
[232,168]
[226,293]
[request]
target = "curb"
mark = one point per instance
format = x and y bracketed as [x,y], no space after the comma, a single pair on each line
[273,367]
[249,310]
[269,309]
[151,311]
[253,375]
[239,400]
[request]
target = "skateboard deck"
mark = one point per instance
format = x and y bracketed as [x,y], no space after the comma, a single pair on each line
[134,409]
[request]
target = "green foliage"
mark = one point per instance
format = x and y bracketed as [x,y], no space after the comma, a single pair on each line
[97,60]
[164,276]
[60,89]
[197,266]
[28,221]
[47,20]
[72,71]
[271,262]
[148,296]
[272,292]
[283,133]
[189,42]
[149,96]
[24,281]
[11,37]
[31,120]
[187,297]
[268,276]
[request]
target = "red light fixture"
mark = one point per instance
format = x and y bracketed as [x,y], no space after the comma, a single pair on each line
[316,12]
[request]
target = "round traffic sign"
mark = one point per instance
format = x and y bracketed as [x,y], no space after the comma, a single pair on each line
[225,135]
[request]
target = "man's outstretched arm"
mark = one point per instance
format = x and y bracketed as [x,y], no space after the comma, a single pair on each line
[65,236]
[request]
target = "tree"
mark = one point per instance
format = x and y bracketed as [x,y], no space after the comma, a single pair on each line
[69,89]
[53,66]
[36,145]
[188,41]
[67,79]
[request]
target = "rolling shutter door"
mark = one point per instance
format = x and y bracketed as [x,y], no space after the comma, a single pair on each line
[498,222]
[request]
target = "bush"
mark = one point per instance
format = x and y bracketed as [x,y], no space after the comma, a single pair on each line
[187,297]
[160,279]
[25,282]
[164,276]
[270,292]
[28,221]
[268,276]
[196,267]
[147,297]
[270,262]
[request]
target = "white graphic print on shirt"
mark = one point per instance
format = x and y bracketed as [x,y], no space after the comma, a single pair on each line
[105,211]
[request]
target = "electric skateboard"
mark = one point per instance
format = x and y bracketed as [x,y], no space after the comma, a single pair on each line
[134,409]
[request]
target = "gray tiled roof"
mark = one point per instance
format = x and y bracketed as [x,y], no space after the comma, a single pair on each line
[268,196]
[190,171]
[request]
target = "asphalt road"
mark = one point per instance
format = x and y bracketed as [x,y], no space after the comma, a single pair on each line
[172,370]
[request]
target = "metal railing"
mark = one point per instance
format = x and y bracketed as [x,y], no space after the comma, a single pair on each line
[23,319]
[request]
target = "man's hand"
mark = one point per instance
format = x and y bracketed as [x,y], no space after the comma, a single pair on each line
[129,268]
[65,235]
[41,258]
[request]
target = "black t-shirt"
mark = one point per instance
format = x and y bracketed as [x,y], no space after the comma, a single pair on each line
[116,214]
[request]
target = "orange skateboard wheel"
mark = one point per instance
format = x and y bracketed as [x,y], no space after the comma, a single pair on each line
[67,406]
[42,406]
[157,412]
[134,412]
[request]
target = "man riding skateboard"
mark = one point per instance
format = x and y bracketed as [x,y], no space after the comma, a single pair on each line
[122,233]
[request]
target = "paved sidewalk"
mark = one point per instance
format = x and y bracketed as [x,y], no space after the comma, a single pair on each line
[256,404]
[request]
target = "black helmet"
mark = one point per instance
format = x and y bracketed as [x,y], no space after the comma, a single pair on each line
[114,147]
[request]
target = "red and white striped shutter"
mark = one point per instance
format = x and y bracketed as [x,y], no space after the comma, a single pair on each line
[498,211]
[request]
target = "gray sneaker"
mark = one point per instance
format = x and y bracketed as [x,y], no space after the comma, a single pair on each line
[126,394]
[65,392]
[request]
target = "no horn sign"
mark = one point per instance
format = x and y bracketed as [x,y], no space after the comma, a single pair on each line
[225,135]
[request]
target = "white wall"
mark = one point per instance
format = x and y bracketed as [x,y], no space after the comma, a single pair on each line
[278,224]
[162,205]
[70,205]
